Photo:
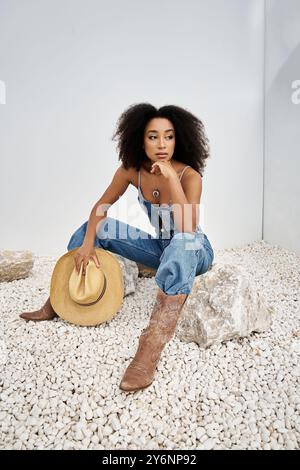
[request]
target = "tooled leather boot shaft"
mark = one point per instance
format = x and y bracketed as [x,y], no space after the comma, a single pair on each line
[161,328]
[165,315]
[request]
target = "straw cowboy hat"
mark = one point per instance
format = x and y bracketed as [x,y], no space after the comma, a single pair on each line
[91,299]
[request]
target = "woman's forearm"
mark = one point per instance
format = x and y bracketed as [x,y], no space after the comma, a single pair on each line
[185,214]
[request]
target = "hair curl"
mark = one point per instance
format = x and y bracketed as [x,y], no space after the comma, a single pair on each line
[191,143]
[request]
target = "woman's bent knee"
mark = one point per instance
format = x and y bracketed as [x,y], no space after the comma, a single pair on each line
[77,238]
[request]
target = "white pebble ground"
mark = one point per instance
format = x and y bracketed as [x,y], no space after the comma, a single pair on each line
[60,382]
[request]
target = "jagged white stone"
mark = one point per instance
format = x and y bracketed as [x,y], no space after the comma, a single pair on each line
[224,304]
[130,273]
[15,265]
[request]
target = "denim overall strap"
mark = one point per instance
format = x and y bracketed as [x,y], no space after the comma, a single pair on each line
[187,166]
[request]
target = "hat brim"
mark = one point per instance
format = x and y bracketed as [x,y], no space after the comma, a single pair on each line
[91,315]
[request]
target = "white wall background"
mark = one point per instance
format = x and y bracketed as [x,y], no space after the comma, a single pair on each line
[282,138]
[72,66]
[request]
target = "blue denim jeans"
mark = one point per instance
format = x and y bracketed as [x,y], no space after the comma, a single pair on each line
[177,259]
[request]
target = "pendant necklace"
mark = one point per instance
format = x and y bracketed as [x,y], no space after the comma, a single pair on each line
[156,193]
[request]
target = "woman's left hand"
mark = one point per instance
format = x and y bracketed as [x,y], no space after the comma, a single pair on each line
[163,168]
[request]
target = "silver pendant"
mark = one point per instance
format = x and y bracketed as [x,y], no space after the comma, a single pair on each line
[155,193]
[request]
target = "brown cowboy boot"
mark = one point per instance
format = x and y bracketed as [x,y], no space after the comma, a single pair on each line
[45,313]
[164,317]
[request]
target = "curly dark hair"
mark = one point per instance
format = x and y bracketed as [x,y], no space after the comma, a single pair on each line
[191,142]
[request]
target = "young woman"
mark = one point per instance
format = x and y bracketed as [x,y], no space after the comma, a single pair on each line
[163,153]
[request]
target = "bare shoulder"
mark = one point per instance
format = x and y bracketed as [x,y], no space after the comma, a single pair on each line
[132,176]
[191,183]
[191,176]
[125,174]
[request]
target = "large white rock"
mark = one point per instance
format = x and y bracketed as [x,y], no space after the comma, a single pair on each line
[223,304]
[130,273]
[15,265]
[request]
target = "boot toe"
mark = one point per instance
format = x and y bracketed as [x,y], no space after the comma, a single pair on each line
[35,316]
[134,380]
[127,386]
[131,386]
[25,316]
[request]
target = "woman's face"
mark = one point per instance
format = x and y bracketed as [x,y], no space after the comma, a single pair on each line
[159,137]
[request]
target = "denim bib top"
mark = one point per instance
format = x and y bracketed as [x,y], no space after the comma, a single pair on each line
[160,215]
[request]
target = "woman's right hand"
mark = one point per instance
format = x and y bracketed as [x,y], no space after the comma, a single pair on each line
[83,255]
